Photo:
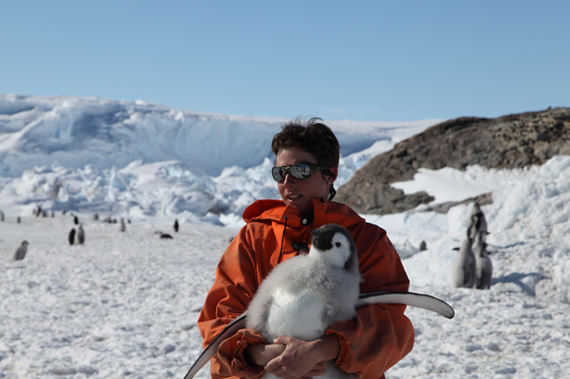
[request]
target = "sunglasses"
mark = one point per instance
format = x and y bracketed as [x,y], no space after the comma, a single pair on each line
[298,171]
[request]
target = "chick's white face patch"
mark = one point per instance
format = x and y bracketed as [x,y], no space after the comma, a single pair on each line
[338,254]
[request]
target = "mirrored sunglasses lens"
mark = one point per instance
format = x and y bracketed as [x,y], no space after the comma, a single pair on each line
[278,173]
[300,171]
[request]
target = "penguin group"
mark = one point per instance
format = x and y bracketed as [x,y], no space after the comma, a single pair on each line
[472,267]
[76,235]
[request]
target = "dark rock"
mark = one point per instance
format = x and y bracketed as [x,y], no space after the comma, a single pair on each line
[512,141]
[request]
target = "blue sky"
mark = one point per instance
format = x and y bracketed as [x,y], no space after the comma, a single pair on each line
[357,60]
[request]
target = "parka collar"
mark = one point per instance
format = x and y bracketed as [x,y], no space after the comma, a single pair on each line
[325,212]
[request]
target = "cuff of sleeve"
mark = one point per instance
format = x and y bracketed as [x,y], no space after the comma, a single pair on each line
[343,352]
[231,353]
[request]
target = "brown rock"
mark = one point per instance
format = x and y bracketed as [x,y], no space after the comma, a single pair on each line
[512,141]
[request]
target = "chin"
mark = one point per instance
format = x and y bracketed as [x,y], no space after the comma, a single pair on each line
[300,208]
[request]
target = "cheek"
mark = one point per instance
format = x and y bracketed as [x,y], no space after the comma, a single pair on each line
[317,187]
[281,188]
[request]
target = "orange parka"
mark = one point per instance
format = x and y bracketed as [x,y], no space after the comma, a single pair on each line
[370,343]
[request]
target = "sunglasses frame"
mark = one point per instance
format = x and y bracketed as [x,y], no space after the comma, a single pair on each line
[313,169]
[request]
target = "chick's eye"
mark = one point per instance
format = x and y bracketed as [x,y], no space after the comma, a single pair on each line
[337,244]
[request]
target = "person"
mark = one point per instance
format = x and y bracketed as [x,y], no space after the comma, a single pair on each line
[306,167]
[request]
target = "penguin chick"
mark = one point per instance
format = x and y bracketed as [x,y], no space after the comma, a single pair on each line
[304,295]
[334,244]
[463,274]
[483,267]
[477,222]
[79,235]
[20,251]
[479,240]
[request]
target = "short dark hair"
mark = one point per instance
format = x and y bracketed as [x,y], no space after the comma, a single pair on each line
[312,136]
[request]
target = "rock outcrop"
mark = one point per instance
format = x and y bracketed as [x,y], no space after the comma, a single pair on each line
[512,141]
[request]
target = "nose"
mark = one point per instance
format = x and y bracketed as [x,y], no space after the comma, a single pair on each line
[289,179]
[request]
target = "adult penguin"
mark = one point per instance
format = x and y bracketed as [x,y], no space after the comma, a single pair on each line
[71,236]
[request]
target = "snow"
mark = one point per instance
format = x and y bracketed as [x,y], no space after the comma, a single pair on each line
[139,159]
[125,304]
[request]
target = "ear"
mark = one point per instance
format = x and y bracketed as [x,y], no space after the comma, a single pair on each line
[333,174]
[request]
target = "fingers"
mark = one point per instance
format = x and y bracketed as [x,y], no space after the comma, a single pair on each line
[296,369]
[261,354]
[283,340]
[299,359]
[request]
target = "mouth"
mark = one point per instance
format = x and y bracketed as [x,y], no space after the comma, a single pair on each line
[293,197]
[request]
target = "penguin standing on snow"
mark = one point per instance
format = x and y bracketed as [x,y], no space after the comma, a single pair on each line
[483,267]
[463,274]
[20,251]
[122,227]
[304,295]
[79,235]
[176,226]
[71,236]
[477,222]
[479,240]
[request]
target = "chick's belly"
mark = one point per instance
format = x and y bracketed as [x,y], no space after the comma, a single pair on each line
[297,314]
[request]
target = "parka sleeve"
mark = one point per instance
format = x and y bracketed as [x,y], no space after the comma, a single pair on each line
[228,298]
[379,335]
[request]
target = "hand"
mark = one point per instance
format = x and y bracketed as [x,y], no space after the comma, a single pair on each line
[262,353]
[303,359]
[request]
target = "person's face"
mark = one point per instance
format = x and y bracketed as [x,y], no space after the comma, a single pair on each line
[299,193]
